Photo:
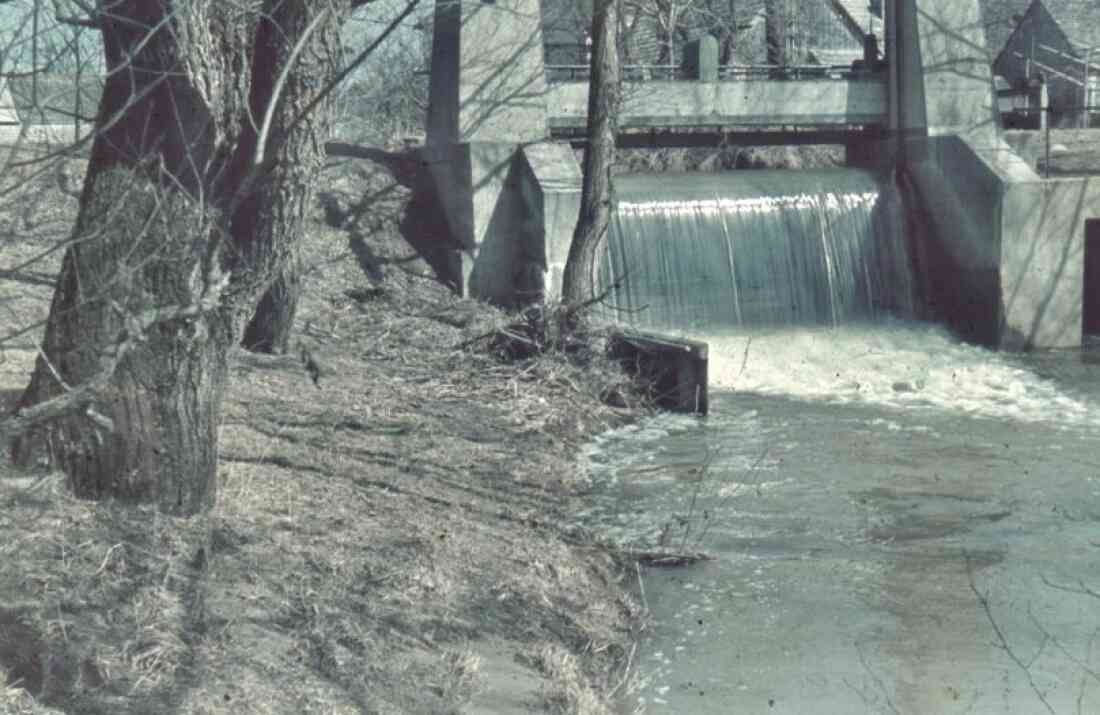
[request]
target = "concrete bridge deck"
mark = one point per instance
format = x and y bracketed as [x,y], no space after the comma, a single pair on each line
[671,105]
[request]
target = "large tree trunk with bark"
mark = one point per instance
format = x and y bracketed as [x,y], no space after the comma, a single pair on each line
[177,237]
[579,277]
[154,432]
[297,144]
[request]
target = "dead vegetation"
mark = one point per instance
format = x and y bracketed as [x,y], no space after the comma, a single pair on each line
[726,158]
[398,540]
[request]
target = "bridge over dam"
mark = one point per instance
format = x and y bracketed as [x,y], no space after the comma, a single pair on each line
[746,110]
[1000,253]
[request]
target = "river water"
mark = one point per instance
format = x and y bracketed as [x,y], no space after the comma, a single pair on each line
[898,522]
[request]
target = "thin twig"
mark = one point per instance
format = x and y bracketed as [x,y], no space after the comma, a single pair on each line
[725,500]
[626,670]
[1081,588]
[353,65]
[703,470]
[876,679]
[1084,666]
[983,601]
[745,357]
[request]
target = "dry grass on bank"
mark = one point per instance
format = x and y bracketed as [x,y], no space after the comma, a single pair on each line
[395,541]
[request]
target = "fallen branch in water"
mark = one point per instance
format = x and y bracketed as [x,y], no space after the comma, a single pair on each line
[646,557]
[666,559]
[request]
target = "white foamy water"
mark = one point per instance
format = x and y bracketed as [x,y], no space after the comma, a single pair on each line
[895,364]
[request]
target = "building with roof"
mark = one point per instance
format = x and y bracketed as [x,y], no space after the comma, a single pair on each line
[49,107]
[1052,47]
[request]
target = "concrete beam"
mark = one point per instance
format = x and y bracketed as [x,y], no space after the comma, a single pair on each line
[665,137]
[763,103]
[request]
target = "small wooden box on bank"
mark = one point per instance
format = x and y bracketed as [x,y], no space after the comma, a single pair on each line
[675,368]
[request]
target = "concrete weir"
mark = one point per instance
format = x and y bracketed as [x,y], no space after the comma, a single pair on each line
[1000,252]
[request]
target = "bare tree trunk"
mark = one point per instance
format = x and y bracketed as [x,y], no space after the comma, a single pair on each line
[171,250]
[272,324]
[604,95]
[727,35]
[775,31]
[279,210]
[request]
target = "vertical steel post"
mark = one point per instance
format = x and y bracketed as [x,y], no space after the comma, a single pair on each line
[1044,117]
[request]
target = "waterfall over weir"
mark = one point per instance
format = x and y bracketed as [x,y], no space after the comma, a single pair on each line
[771,247]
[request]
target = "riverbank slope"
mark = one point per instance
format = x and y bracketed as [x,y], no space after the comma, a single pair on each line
[394,539]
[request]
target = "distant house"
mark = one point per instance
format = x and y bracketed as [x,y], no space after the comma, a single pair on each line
[9,118]
[56,99]
[51,107]
[1040,53]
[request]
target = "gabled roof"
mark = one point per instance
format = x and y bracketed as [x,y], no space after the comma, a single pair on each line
[1036,15]
[1079,20]
[997,17]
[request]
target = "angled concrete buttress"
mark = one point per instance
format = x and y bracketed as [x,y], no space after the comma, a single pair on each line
[1002,253]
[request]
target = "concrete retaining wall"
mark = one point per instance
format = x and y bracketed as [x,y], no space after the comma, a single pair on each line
[1004,249]
[1031,145]
[1042,260]
[960,197]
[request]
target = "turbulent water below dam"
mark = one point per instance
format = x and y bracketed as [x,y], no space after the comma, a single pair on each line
[899,522]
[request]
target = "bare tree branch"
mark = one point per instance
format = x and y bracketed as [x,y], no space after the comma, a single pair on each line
[362,56]
[1002,641]
[81,22]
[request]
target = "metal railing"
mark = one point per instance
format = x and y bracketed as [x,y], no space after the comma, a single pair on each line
[630,73]
[793,72]
[1046,125]
[648,73]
